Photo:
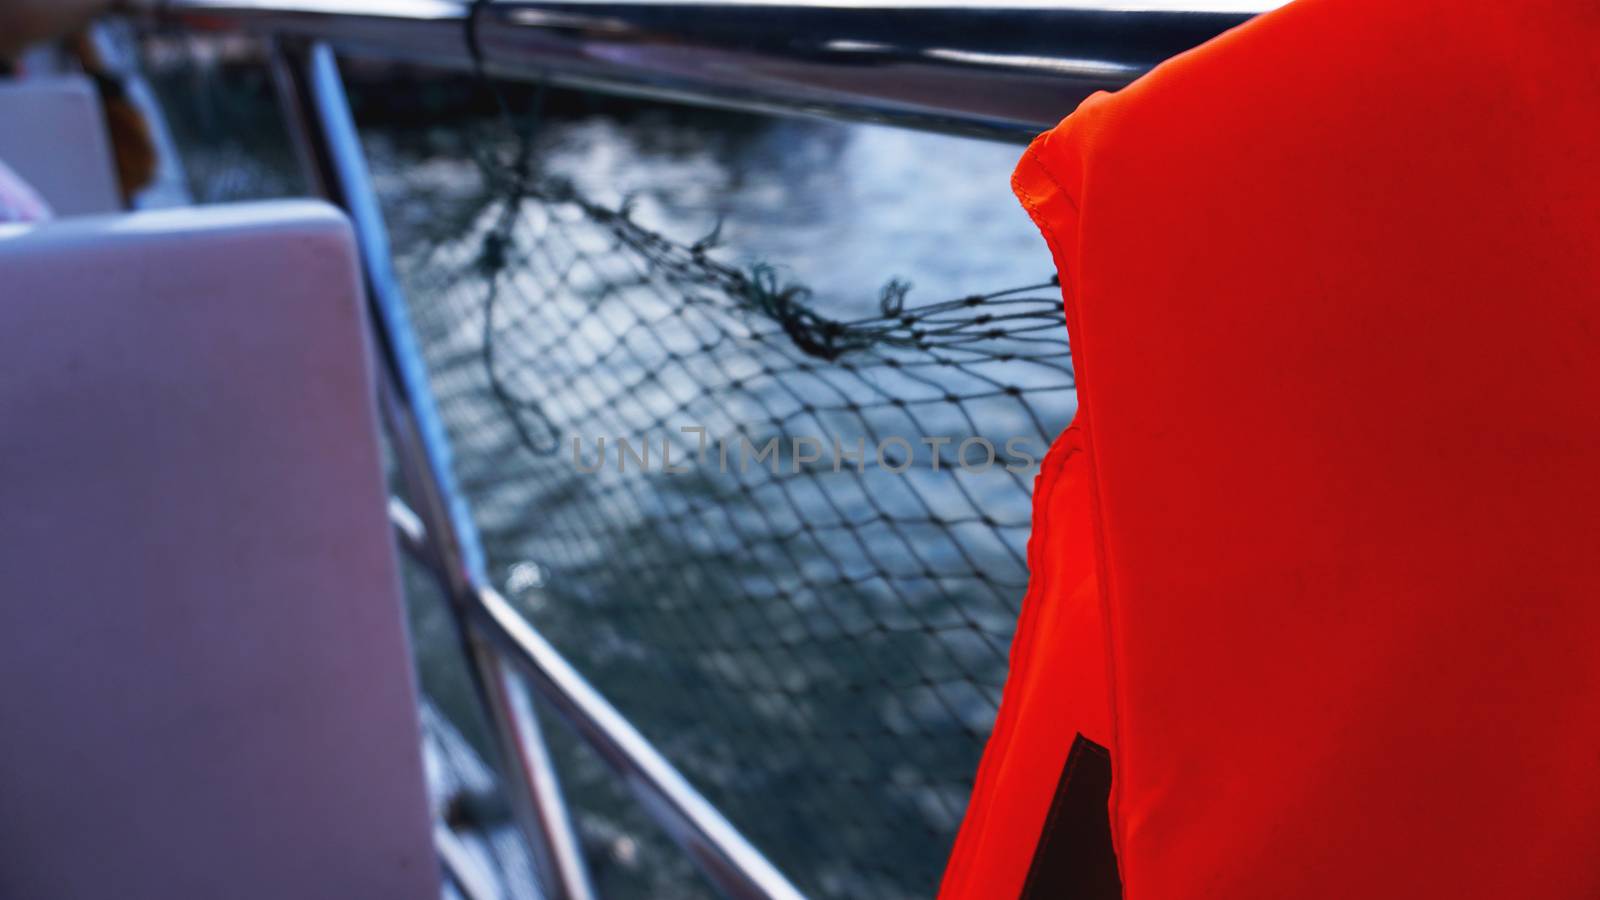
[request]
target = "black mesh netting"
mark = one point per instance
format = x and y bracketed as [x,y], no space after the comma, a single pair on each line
[818,643]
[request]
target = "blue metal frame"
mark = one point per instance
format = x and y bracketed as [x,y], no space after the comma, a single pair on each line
[444,533]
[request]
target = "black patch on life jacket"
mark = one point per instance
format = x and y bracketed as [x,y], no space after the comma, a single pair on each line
[1075,859]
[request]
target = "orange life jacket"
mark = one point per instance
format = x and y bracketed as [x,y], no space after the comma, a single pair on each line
[1315,610]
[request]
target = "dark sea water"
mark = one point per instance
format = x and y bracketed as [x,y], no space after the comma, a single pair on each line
[821,654]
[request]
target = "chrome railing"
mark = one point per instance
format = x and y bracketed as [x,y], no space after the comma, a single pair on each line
[1001,70]
[998,68]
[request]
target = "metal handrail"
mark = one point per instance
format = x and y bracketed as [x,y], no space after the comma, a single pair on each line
[1003,69]
[715,845]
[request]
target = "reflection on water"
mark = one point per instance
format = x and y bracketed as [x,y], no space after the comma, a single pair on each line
[843,208]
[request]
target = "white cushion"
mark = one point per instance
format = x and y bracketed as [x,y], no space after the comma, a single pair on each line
[53,134]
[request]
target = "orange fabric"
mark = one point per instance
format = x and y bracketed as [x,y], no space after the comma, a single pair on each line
[1333,287]
[1058,645]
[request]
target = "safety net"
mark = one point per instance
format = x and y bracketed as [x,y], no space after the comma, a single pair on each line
[747,412]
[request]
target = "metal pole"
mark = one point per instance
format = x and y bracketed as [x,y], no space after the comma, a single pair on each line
[732,863]
[461,869]
[1006,69]
[319,115]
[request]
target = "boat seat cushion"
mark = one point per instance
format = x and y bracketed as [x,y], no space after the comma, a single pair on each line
[204,682]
